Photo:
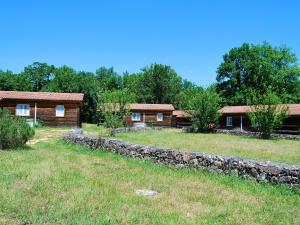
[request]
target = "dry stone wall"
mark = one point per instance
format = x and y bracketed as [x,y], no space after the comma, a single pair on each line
[274,173]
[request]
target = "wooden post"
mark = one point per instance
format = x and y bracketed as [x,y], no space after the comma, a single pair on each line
[35,109]
[241,123]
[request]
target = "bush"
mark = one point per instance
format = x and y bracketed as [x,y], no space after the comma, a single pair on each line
[14,131]
[267,114]
[203,109]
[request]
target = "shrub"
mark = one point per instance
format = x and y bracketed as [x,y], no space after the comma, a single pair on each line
[267,114]
[203,109]
[14,131]
[114,108]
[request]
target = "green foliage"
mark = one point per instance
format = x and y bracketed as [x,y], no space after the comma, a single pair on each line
[68,80]
[257,69]
[159,84]
[108,78]
[114,107]
[10,81]
[38,75]
[14,131]
[203,109]
[267,114]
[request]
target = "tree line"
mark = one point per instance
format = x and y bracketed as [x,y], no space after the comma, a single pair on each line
[246,72]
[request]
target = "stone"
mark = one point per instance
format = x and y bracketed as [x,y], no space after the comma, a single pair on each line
[261,177]
[249,169]
[146,192]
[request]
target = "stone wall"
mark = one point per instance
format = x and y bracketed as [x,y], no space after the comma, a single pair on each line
[130,129]
[246,133]
[274,173]
[257,134]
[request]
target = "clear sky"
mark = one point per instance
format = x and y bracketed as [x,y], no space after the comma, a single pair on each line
[190,36]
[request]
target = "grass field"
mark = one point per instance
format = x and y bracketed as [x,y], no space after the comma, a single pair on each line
[287,151]
[50,182]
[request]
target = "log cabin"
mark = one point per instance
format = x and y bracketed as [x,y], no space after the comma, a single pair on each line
[150,114]
[235,117]
[51,109]
[180,119]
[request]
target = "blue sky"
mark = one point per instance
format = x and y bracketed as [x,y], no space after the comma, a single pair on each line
[190,36]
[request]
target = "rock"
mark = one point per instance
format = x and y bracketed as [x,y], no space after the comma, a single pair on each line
[261,177]
[250,169]
[146,192]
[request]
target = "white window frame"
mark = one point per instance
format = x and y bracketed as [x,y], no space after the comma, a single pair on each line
[23,110]
[160,117]
[60,111]
[136,116]
[229,121]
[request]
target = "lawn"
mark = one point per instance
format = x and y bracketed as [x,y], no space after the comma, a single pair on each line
[287,151]
[51,182]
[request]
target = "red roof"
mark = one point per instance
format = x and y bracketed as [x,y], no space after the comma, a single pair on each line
[180,114]
[294,109]
[48,96]
[150,107]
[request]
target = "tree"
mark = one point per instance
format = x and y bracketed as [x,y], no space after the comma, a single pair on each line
[134,82]
[114,108]
[108,79]
[203,109]
[266,114]
[68,80]
[160,84]
[183,99]
[257,69]
[38,75]
[13,82]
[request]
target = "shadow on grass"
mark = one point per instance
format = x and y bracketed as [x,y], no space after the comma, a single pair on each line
[23,148]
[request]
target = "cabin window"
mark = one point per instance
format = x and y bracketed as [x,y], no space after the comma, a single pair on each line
[159,117]
[23,110]
[60,110]
[229,121]
[136,116]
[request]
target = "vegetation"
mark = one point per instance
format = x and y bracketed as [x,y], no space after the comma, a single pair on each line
[257,69]
[246,71]
[51,182]
[267,114]
[221,144]
[14,131]
[203,109]
[115,108]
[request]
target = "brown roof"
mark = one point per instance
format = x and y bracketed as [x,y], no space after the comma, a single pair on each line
[155,107]
[49,96]
[294,109]
[180,114]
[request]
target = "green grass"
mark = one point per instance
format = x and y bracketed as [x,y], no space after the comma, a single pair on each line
[50,182]
[287,151]
[93,129]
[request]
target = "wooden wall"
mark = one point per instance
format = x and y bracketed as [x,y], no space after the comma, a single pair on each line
[151,117]
[181,122]
[236,121]
[291,123]
[46,112]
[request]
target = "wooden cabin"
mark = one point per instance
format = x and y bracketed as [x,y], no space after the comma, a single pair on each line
[52,109]
[235,117]
[181,119]
[150,114]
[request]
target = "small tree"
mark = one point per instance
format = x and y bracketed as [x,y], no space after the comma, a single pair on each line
[203,109]
[267,114]
[114,108]
[14,131]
